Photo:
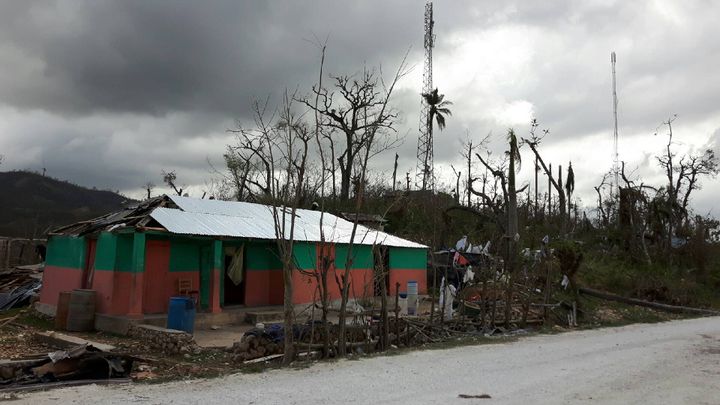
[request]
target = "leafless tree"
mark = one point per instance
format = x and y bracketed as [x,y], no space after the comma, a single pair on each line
[373,125]
[354,107]
[556,182]
[170,179]
[149,186]
[682,175]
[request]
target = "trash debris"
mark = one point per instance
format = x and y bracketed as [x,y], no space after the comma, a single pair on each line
[19,286]
[481,396]
[82,364]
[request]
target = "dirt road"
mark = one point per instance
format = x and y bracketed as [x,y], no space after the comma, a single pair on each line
[670,363]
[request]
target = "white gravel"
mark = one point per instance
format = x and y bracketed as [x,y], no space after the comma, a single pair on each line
[669,363]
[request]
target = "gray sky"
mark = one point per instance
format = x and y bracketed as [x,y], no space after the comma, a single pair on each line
[107,94]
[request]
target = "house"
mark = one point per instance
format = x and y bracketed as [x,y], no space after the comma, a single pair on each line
[136,259]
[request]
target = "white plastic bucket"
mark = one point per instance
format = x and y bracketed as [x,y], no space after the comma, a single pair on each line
[412,297]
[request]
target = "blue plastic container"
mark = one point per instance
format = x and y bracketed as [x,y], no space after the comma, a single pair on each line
[181,314]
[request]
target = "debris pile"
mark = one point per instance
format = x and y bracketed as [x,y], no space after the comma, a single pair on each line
[255,345]
[19,286]
[82,364]
[168,341]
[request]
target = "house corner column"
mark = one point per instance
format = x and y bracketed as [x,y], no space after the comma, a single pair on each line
[216,272]
[138,271]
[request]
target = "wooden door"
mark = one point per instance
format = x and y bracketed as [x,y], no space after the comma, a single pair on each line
[157,264]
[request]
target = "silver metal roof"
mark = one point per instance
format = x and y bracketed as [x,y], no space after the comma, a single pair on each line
[248,220]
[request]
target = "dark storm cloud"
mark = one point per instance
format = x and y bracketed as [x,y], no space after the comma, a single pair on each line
[109,93]
[156,57]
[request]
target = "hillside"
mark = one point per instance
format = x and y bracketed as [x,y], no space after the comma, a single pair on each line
[32,204]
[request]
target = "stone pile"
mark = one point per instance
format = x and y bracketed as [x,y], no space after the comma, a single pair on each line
[168,341]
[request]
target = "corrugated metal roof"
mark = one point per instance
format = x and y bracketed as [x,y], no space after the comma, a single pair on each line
[248,220]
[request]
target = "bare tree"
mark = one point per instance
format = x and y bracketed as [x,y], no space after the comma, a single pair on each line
[682,175]
[248,161]
[355,107]
[149,186]
[556,183]
[170,179]
[371,131]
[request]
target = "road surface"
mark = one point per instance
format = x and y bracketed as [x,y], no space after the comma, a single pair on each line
[668,363]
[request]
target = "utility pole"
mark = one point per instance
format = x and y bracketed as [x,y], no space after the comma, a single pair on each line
[424,170]
[616,166]
[395,172]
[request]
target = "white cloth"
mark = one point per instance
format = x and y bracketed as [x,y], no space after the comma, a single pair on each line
[460,245]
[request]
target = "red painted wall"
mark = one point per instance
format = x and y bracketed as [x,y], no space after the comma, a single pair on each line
[402,276]
[103,284]
[305,287]
[57,279]
[264,287]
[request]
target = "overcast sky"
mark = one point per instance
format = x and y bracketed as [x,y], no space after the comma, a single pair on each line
[108,94]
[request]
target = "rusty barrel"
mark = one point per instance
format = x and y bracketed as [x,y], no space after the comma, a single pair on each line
[81,311]
[63,306]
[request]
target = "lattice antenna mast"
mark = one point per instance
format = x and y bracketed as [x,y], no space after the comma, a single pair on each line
[616,163]
[424,172]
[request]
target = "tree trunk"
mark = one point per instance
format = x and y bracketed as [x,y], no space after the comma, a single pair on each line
[288,312]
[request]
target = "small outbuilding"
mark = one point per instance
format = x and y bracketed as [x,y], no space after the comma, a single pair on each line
[224,252]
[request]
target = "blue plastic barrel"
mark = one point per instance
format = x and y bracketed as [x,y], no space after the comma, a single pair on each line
[181,314]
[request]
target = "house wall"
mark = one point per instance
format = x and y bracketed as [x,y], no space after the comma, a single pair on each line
[64,264]
[408,264]
[263,276]
[137,273]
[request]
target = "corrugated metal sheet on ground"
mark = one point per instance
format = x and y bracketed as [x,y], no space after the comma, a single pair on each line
[248,220]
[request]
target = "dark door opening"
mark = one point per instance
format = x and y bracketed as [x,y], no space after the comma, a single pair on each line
[234,293]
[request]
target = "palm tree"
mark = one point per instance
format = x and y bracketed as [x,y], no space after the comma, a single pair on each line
[439,111]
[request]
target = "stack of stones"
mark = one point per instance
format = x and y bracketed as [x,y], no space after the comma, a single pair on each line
[168,341]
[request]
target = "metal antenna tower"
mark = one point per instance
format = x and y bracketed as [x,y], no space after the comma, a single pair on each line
[616,165]
[425,178]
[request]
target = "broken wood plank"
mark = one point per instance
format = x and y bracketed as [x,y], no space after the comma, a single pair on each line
[262,359]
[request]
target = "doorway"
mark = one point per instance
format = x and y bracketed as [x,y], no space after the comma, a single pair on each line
[234,293]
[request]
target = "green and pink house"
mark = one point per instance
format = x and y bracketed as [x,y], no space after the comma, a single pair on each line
[136,259]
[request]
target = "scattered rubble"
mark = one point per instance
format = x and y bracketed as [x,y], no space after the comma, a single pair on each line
[81,364]
[19,286]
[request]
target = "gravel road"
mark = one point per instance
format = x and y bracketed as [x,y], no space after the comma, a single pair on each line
[668,363]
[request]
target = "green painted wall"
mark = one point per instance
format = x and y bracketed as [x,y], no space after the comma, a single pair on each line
[408,258]
[66,251]
[262,256]
[206,260]
[106,251]
[124,252]
[362,256]
[138,253]
[305,255]
[185,254]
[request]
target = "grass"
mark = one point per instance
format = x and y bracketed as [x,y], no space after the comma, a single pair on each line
[28,317]
[675,285]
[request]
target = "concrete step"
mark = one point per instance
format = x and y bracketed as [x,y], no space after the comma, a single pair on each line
[253,317]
